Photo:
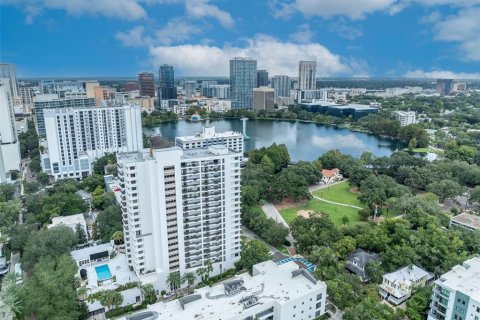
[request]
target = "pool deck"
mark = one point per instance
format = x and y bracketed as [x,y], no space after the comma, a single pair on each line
[118,268]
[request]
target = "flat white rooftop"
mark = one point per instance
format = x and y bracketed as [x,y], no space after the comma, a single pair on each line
[209,133]
[270,283]
[464,278]
[68,220]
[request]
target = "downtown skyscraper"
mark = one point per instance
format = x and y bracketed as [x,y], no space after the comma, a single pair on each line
[307,75]
[262,78]
[167,83]
[146,84]
[243,78]
[281,85]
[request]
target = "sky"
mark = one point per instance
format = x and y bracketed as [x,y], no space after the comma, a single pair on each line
[347,38]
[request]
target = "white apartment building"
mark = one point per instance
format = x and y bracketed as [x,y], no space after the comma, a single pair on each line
[406,117]
[456,295]
[272,292]
[307,75]
[77,136]
[9,71]
[9,145]
[180,209]
[232,139]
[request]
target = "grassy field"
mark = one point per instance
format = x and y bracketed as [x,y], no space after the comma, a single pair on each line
[335,212]
[339,193]
[426,150]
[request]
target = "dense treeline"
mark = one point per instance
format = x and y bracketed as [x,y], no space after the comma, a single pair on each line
[153,119]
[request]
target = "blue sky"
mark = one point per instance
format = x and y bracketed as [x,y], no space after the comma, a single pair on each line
[348,38]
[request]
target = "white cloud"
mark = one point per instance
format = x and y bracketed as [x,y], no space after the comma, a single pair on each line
[302,35]
[202,9]
[463,28]
[178,29]
[122,9]
[441,74]
[276,56]
[133,37]
[356,9]
[345,30]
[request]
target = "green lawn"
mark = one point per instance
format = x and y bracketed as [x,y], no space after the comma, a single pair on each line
[335,212]
[426,150]
[339,193]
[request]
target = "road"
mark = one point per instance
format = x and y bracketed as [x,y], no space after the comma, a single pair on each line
[319,186]
[272,213]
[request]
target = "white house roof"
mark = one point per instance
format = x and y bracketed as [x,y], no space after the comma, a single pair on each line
[408,275]
[68,220]
[84,253]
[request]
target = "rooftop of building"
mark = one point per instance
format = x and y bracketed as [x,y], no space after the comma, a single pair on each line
[464,278]
[330,173]
[468,220]
[408,275]
[209,133]
[159,142]
[405,113]
[68,220]
[215,150]
[85,253]
[360,258]
[271,282]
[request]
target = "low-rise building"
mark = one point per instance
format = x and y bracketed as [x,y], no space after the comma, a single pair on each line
[466,220]
[399,285]
[406,117]
[357,262]
[330,176]
[277,292]
[70,221]
[456,294]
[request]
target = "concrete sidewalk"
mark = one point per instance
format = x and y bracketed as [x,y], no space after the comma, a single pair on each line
[272,212]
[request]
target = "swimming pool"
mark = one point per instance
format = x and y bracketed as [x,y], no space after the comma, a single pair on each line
[103,272]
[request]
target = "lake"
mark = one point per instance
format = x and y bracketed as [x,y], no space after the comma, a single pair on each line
[304,140]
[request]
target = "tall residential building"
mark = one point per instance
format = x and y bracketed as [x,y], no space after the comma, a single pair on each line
[103,93]
[281,86]
[263,99]
[9,71]
[232,139]
[205,85]
[307,75]
[89,87]
[167,88]
[190,88]
[456,295]
[243,78]
[406,117]
[77,136]
[220,91]
[146,84]
[9,146]
[25,93]
[181,209]
[49,101]
[444,86]
[272,292]
[262,78]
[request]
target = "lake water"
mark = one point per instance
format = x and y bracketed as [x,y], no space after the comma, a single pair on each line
[305,141]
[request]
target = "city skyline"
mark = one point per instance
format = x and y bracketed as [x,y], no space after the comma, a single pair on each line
[199,37]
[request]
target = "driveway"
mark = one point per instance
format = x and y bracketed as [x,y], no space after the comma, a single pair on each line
[250,234]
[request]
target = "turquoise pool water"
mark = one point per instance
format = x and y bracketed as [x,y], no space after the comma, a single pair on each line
[103,272]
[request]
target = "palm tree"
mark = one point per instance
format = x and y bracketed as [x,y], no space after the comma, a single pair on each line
[174,280]
[189,278]
[201,273]
[10,304]
[209,268]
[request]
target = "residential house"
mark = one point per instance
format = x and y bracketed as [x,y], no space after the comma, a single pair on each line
[70,221]
[466,220]
[358,260]
[330,176]
[399,285]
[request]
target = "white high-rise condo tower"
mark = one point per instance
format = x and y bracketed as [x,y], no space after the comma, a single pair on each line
[181,209]
[9,145]
[307,75]
[9,71]
[77,136]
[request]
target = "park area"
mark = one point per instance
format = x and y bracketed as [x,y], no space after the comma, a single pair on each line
[339,193]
